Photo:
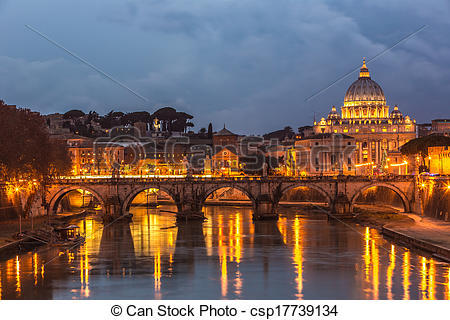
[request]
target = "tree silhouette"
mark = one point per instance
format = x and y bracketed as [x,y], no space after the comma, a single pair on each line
[26,152]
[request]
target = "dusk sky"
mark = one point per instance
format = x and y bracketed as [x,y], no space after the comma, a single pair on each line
[248,63]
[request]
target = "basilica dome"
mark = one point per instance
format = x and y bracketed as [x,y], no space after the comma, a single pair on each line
[364,90]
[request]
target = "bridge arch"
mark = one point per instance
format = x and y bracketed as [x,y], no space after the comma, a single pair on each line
[398,191]
[210,190]
[319,189]
[57,197]
[130,197]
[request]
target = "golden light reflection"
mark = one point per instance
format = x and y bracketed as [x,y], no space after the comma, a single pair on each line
[298,256]
[367,253]
[375,269]
[153,233]
[390,272]
[84,272]
[431,281]
[447,285]
[224,275]
[406,283]
[35,268]
[18,284]
[423,278]
[42,271]
[282,226]
[157,274]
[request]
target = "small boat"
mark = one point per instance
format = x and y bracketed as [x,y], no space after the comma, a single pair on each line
[67,236]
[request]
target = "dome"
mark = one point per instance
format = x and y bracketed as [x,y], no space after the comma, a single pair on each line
[334,114]
[364,90]
[396,114]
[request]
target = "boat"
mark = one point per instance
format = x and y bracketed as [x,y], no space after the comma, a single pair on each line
[67,236]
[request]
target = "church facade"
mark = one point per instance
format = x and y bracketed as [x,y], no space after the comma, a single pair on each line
[378,132]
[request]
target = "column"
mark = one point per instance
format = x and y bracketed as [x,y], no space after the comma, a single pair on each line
[377,154]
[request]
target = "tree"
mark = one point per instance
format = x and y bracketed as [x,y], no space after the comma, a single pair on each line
[210,131]
[167,116]
[111,119]
[73,114]
[419,146]
[133,117]
[26,152]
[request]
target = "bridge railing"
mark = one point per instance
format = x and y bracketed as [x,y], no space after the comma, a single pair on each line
[155,179]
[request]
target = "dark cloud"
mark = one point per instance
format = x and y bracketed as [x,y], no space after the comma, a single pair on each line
[250,63]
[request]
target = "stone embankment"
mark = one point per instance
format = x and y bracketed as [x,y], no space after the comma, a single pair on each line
[426,234]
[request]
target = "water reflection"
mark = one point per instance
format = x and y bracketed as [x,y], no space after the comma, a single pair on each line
[116,257]
[301,256]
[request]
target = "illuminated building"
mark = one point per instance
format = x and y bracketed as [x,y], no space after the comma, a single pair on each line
[225,138]
[225,160]
[325,154]
[89,160]
[439,158]
[378,132]
[441,126]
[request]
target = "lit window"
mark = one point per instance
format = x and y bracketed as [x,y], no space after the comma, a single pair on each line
[373,130]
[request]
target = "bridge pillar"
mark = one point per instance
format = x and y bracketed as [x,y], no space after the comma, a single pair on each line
[340,207]
[264,208]
[113,208]
[190,209]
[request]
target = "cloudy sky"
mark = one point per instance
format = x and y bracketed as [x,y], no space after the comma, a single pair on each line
[248,63]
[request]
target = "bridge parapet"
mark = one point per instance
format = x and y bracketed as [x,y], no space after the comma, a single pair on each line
[190,193]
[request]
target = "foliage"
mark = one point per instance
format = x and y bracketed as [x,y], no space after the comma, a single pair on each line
[25,148]
[420,146]
[73,114]
[133,117]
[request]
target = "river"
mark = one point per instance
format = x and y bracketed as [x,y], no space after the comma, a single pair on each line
[301,256]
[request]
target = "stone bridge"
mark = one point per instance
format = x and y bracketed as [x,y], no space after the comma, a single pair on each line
[190,193]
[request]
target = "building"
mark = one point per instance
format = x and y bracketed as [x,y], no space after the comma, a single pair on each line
[441,126]
[423,129]
[378,132]
[225,138]
[439,158]
[225,161]
[323,154]
[89,157]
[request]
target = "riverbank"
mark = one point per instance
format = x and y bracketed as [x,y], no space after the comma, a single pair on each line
[426,234]
[8,228]
[377,216]
[410,230]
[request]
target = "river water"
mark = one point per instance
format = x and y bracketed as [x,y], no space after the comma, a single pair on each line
[301,256]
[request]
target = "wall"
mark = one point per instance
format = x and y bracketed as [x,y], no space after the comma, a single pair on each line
[435,196]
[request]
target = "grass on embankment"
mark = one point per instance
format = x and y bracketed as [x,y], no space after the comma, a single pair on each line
[378,216]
